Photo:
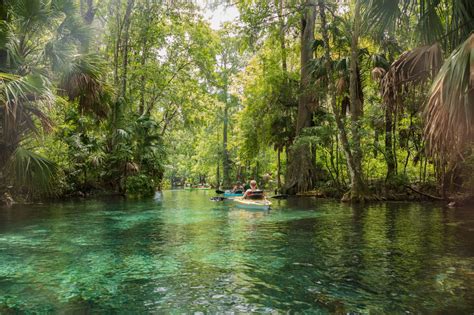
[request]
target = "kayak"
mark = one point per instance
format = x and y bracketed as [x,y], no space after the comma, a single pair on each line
[263,204]
[229,193]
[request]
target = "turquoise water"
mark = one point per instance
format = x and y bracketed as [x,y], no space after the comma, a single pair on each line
[184,253]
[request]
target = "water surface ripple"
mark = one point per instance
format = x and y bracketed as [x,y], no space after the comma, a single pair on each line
[184,253]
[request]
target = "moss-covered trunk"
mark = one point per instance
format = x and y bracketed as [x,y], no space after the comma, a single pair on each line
[301,170]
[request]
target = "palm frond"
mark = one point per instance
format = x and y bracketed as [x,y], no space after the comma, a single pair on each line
[382,14]
[378,73]
[82,80]
[73,29]
[18,91]
[342,65]
[58,54]
[68,7]
[5,34]
[30,15]
[430,26]
[412,67]
[449,111]
[462,21]
[318,69]
[31,170]
[379,61]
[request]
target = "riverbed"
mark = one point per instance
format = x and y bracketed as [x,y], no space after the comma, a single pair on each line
[180,252]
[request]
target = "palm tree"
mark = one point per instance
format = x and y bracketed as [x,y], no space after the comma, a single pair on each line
[39,58]
[449,111]
[445,21]
[411,69]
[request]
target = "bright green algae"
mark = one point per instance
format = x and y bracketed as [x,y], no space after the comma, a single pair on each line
[184,253]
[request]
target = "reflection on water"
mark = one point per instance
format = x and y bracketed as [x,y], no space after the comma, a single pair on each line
[182,252]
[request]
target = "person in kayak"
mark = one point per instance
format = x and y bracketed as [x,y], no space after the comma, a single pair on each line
[238,188]
[253,192]
[246,186]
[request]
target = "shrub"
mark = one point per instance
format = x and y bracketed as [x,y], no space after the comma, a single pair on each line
[140,185]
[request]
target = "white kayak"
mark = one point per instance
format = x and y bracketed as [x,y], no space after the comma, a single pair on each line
[252,203]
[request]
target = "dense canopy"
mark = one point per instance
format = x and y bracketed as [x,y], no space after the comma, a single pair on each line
[359,99]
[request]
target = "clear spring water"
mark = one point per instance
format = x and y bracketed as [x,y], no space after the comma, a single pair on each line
[184,253]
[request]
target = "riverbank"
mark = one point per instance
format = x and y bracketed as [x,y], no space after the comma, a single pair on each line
[405,193]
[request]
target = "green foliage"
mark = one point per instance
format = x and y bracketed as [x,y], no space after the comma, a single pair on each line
[139,92]
[140,185]
[31,171]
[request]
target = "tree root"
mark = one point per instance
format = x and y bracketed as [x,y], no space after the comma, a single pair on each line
[425,194]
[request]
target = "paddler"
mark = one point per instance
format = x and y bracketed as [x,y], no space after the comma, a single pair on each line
[238,188]
[252,191]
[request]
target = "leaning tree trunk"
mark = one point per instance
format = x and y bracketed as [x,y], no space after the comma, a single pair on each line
[126,23]
[351,164]
[226,160]
[358,189]
[301,171]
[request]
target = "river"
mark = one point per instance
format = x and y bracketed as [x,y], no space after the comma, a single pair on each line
[182,253]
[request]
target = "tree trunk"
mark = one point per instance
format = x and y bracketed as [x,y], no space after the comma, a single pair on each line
[388,145]
[143,60]
[301,171]
[281,20]
[284,68]
[87,11]
[358,189]
[118,38]
[355,173]
[126,24]
[306,99]
[351,165]
[279,170]
[4,18]
[218,176]
[141,108]
[226,161]
[88,14]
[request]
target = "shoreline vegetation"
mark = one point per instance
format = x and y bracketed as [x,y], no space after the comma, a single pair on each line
[359,101]
[408,194]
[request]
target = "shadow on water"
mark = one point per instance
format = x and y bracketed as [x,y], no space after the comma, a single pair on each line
[181,252]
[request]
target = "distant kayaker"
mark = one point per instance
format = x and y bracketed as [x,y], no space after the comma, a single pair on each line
[253,191]
[246,186]
[238,187]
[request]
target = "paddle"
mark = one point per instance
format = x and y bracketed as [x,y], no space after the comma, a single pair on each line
[218,191]
[279,196]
